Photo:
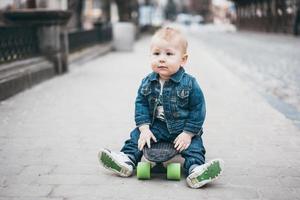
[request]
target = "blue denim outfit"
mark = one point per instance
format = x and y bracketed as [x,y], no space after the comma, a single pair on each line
[184,110]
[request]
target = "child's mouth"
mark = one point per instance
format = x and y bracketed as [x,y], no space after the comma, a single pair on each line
[162,67]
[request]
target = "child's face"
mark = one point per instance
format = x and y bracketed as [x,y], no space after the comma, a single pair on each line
[166,58]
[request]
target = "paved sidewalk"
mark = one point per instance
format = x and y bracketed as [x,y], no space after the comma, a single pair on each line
[50,135]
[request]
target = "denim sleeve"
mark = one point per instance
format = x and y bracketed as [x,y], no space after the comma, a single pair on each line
[142,114]
[197,112]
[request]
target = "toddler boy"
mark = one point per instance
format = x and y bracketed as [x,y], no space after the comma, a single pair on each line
[169,107]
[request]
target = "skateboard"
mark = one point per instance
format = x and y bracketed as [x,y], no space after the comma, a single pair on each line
[156,160]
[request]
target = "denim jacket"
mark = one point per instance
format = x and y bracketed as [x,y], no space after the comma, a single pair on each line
[183,102]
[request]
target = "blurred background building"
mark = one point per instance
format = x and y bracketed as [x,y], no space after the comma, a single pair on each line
[224,12]
[49,32]
[154,13]
[269,15]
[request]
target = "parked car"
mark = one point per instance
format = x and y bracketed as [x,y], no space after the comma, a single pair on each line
[197,19]
[185,19]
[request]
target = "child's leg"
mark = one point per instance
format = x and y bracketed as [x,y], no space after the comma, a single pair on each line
[122,163]
[117,162]
[194,155]
[130,147]
[200,173]
[206,173]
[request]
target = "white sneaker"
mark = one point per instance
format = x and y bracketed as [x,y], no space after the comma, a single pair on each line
[205,173]
[119,162]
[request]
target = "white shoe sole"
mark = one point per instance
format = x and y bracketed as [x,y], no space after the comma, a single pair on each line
[193,179]
[109,162]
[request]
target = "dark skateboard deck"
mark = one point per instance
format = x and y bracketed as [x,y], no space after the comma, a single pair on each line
[160,152]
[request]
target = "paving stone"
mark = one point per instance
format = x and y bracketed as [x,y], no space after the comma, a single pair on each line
[278,193]
[50,135]
[30,198]
[25,190]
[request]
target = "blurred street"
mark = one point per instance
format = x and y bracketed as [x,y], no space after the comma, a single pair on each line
[51,133]
[270,63]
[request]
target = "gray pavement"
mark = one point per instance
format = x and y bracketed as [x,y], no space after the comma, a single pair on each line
[270,62]
[50,135]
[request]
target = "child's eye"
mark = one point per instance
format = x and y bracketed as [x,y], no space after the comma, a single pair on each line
[156,53]
[170,54]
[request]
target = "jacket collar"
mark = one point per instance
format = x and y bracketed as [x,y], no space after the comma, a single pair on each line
[175,77]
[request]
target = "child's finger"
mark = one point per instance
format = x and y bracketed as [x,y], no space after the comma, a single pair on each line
[148,143]
[185,147]
[179,143]
[179,146]
[153,138]
[176,144]
[176,139]
[141,144]
[182,148]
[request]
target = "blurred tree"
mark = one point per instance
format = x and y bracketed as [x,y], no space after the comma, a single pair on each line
[170,10]
[297,21]
[127,9]
[147,2]
[106,15]
[75,6]
[31,4]
[202,7]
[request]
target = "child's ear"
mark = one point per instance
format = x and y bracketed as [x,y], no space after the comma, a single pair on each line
[184,59]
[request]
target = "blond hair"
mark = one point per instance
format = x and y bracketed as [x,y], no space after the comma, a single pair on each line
[171,35]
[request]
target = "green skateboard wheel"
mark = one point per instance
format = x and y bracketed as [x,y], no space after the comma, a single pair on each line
[143,170]
[173,171]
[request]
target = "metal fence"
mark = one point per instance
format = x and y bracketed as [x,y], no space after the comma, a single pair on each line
[18,43]
[269,15]
[84,38]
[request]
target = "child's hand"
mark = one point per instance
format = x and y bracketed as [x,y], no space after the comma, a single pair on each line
[183,141]
[145,137]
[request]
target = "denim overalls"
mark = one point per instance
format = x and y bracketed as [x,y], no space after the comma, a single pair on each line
[184,110]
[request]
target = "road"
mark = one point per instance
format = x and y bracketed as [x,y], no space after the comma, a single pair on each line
[269,62]
[50,135]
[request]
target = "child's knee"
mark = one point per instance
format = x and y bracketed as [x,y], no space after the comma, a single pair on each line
[197,145]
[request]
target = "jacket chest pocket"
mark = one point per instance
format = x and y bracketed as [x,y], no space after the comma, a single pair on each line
[146,90]
[182,96]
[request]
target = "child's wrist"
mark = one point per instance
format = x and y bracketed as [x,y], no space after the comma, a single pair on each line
[144,127]
[189,134]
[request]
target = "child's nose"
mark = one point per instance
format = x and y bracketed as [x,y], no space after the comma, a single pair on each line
[162,59]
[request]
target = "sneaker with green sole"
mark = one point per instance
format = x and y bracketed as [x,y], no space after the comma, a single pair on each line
[205,173]
[119,163]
